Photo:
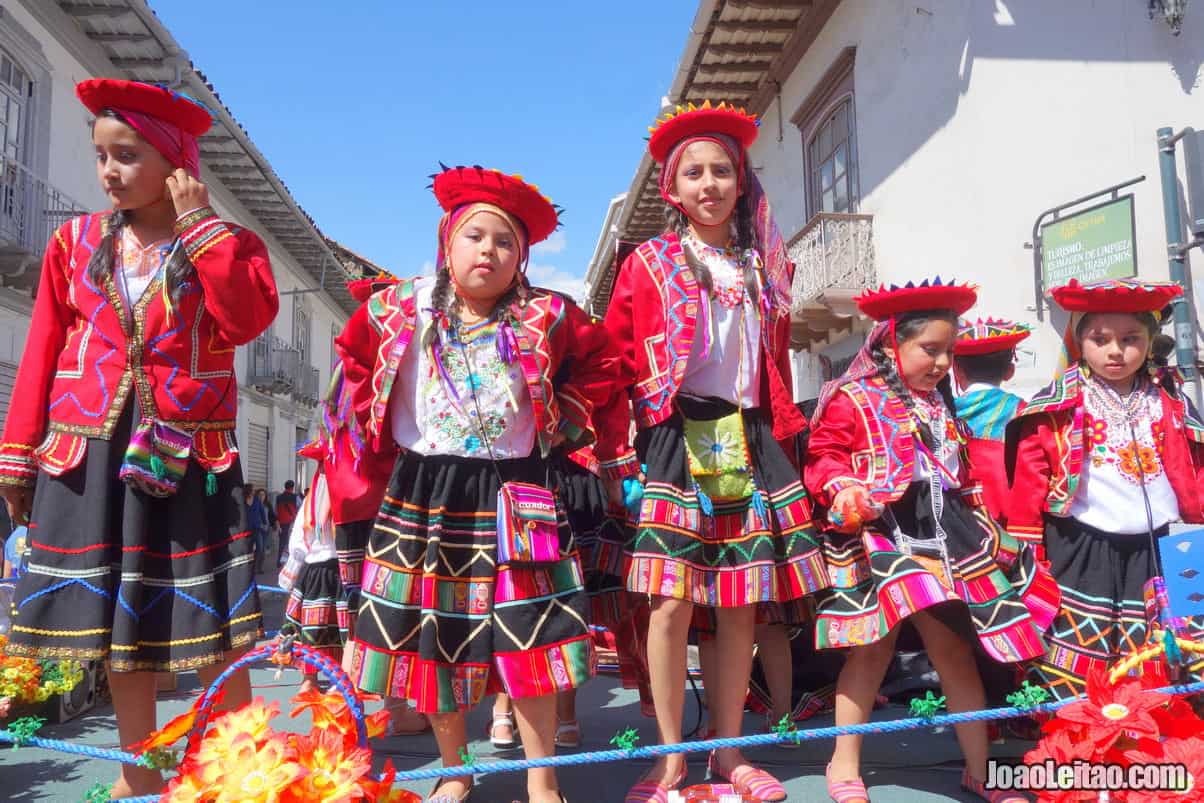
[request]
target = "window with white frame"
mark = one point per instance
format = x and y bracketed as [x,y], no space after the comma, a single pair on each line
[827,121]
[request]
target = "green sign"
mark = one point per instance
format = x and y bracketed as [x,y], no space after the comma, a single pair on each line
[1096,243]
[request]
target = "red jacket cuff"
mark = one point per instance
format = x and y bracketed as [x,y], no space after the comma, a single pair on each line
[622,467]
[202,235]
[17,465]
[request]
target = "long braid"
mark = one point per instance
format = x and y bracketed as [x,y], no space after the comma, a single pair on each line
[886,369]
[100,266]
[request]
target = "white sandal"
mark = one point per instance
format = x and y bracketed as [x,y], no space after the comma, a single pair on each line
[562,738]
[506,719]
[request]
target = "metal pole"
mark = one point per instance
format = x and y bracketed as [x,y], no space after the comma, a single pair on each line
[1176,252]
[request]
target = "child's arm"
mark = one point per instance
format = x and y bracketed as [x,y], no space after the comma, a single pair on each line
[1030,479]
[53,317]
[828,463]
[235,272]
[613,419]
[593,374]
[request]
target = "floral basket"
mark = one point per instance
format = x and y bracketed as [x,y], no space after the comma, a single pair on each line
[1124,723]
[237,756]
[28,681]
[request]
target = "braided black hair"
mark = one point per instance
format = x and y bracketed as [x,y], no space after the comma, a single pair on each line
[446,303]
[907,326]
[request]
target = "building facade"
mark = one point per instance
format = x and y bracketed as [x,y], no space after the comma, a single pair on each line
[902,139]
[47,175]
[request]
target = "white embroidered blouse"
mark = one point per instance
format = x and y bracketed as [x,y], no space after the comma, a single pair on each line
[432,409]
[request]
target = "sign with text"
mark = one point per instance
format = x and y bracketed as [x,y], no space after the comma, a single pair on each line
[1096,243]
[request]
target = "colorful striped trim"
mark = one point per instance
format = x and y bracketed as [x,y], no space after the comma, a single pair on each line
[203,235]
[628,465]
[17,465]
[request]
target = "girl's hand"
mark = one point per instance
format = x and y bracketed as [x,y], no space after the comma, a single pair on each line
[187,193]
[851,508]
[19,502]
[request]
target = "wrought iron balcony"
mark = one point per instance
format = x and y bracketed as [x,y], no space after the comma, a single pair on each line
[306,390]
[30,210]
[833,262]
[274,365]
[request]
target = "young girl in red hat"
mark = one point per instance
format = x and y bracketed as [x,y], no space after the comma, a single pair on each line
[471,582]
[909,534]
[119,446]
[1102,461]
[701,314]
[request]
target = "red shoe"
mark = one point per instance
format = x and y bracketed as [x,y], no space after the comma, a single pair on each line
[654,791]
[749,781]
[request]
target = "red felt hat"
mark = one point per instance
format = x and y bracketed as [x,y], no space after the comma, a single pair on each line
[158,101]
[691,121]
[886,302]
[457,186]
[1116,295]
[362,289]
[988,336]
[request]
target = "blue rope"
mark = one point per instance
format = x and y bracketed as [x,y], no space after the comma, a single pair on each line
[652,751]
[272,589]
[88,750]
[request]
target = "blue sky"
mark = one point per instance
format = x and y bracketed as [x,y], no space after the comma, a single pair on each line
[354,103]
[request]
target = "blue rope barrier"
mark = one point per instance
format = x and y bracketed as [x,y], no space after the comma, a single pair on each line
[654,751]
[106,754]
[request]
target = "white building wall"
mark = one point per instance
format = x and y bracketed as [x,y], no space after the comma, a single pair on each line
[71,169]
[972,118]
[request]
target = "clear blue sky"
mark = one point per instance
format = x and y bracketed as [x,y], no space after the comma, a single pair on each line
[355,102]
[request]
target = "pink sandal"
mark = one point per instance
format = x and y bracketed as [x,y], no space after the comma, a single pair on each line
[991,795]
[654,791]
[749,781]
[845,791]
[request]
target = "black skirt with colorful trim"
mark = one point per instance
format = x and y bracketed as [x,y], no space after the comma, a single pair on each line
[150,584]
[740,553]
[601,533]
[312,610]
[1103,615]
[440,622]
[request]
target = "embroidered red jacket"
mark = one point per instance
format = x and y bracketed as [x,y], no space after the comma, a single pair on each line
[87,351]
[552,330]
[866,436]
[1047,441]
[651,319]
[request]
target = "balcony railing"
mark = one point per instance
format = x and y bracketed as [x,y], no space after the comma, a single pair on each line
[274,365]
[30,210]
[306,390]
[834,260]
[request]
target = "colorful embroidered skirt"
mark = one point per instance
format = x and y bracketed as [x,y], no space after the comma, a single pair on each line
[742,554]
[149,584]
[601,533]
[439,622]
[875,587]
[1103,615]
[350,539]
[312,610]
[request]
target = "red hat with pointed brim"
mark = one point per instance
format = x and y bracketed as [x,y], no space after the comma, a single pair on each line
[187,114]
[362,289]
[692,121]
[1116,295]
[988,336]
[457,186]
[887,302]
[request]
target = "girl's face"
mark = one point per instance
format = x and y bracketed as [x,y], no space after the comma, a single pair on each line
[1115,345]
[131,172]
[706,185]
[924,359]
[483,257]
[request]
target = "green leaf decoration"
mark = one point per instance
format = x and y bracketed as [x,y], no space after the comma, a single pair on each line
[467,758]
[1027,696]
[928,706]
[99,793]
[24,729]
[626,739]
